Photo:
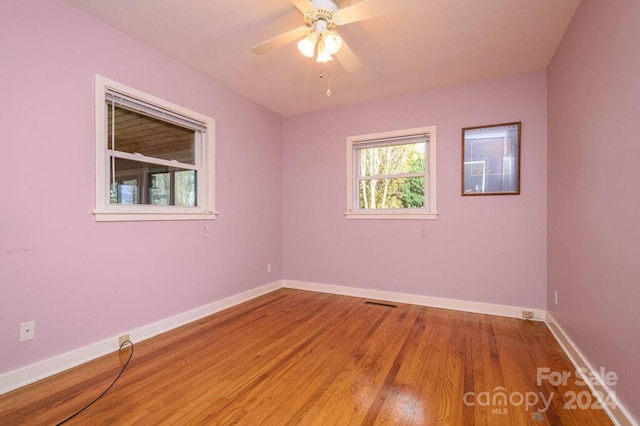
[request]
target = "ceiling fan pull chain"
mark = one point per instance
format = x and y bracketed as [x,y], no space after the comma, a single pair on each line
[328,81]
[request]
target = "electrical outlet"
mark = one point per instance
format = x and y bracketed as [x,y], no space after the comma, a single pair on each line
[123,339]
[555,297]
[268,268]
[27,330]
[527,314]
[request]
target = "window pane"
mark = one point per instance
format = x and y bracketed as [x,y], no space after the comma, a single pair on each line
[160,189]
[393,193]
[185,188]
[137,133]
[127,192]
[391,160]
[144,183]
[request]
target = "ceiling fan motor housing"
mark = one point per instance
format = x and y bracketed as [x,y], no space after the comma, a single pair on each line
[323,11]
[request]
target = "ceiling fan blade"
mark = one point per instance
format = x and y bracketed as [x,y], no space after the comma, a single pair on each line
[303,5]
[347,58]
[281,40]
[367,9]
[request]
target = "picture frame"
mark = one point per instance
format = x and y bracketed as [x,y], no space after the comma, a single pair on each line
[491,159]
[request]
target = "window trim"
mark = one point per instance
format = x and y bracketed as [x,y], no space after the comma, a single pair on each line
[430,213]
[107,212]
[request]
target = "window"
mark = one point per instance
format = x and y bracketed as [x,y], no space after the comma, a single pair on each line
[392,175]
[491,159]
[154,159]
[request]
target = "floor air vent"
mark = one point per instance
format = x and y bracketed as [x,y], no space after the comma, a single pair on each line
[388,305]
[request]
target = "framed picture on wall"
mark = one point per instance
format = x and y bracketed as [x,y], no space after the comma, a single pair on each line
[491,159]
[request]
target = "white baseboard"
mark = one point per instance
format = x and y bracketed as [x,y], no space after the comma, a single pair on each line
[619,415]
[435,302]
[40,370]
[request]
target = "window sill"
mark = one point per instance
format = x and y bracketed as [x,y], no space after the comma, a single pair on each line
[115,216]
[392,215]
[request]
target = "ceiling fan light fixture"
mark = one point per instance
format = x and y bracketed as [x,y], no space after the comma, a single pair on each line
[332,42]
[307,45]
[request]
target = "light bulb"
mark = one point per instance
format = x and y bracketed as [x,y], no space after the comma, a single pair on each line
[323,54]
[332,42]
[324,57]
[307,45]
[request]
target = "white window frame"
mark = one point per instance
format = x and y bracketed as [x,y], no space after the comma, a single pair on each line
[353,208]
[204,163]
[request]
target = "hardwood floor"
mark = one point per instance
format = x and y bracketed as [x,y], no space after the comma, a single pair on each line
[295,357]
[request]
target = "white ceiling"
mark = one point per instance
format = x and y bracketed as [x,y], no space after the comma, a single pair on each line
[431,43]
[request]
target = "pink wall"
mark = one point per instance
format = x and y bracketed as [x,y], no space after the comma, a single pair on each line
[83,281]
[485,249]
[594,236]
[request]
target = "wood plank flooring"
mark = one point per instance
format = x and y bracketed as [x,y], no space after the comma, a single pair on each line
[295,357]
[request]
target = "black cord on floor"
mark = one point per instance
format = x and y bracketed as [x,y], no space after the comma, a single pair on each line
[105,391]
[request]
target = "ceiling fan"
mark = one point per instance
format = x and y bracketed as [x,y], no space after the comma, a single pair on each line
[318,36]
